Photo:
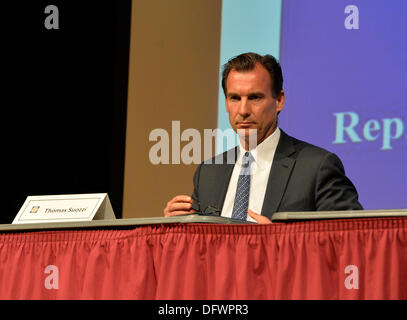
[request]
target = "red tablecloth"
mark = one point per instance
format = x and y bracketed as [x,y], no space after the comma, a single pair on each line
[331,259]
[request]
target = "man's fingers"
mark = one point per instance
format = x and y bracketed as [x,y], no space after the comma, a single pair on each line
[182,198]
[178,213]
[258,217]
[183,206]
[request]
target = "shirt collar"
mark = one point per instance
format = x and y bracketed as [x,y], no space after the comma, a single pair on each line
[263,154]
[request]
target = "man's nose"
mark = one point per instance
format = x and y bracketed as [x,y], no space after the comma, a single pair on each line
[244,107]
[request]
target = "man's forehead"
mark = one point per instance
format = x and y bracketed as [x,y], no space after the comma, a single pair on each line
[249,80]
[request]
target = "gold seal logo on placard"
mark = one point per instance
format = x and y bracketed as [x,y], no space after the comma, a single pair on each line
[34,209]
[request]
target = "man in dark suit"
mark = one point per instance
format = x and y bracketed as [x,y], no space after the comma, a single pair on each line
[276,172]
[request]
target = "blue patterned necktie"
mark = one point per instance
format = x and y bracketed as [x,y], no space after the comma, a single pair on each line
[241,204]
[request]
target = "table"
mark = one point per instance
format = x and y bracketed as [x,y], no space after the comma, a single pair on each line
[352,258]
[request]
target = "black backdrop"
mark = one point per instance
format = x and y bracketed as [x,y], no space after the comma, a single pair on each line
[64,97]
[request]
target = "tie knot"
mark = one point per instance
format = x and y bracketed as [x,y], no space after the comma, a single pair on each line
[247,159]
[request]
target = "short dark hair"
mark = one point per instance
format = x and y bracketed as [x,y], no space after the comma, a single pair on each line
[247,62]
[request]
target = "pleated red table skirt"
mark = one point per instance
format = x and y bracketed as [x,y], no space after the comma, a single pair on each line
[329,259]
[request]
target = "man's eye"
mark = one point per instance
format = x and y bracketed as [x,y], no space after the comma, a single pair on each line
[255,97]
[234,98]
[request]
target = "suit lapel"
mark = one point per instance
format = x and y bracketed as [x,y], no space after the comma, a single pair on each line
[279,175]
[224,174]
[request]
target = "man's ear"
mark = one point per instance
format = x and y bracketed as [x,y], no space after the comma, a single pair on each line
[280,101]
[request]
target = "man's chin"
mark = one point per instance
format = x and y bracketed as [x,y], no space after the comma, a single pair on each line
[248,137]
[246,132]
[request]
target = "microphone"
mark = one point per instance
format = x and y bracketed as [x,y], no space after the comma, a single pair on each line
[210,210]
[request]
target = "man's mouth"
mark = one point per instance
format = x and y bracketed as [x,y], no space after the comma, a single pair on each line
[245,124]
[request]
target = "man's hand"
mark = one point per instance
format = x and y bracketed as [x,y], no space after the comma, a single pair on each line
[178,205]
[259,218]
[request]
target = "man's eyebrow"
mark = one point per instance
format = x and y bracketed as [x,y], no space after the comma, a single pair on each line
[261,94]
[251,94]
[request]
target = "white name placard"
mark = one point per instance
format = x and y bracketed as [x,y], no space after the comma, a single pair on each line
[65,208]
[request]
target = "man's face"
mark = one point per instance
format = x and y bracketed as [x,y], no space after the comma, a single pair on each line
[250,103]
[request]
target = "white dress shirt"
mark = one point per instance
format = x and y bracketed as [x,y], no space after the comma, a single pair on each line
[263,156]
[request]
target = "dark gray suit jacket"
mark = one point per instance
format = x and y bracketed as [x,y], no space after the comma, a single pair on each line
[303,177]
